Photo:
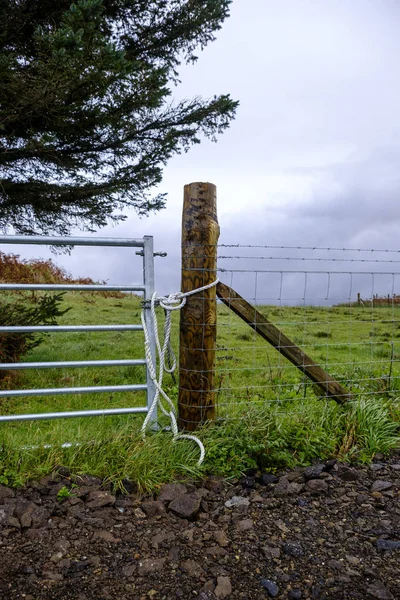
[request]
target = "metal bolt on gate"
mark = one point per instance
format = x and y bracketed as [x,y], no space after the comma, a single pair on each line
[146,288]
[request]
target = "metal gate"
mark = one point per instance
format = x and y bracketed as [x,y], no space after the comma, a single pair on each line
[146,288]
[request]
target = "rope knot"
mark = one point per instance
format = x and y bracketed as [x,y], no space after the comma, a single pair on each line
[172,302]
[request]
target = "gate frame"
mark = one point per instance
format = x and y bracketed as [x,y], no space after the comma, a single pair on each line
[147,288]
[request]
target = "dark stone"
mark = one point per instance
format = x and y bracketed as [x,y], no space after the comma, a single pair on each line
[26,520]
[244,525]
[271,552]
[378,590]
[270,586]
[5,492]
[281,488]
[5,513]
[294,489]
[296,475]
[335,565]
[303,502]
[192,568]
[313,472]
[247,482]
[153,507]
[77,566]
[329,464]
[13,522]
[88,480]
[293,549]
[295,594]
[347,473]
[378,456]
[377,466]
[171,491]
[379,485]
[267,478]
[100,498]
[223,588]
[206,595]
[387,545]
[32,515]
[316,486]
[150,565]
[185,506]
[214,484]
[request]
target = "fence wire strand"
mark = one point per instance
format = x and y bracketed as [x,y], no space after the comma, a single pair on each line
[347,321]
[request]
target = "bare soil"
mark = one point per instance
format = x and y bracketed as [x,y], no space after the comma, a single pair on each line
[330,531]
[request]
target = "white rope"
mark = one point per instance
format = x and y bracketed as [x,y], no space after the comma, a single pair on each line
[169,303]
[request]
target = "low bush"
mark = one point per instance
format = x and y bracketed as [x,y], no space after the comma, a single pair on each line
[25,312]
[14,269]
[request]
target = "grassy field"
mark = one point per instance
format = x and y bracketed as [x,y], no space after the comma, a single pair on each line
[358,346]
[269,415]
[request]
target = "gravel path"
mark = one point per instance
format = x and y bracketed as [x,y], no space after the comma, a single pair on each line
[327,531]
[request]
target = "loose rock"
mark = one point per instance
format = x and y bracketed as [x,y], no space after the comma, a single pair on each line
[293,549]
[100,498]
[267,478]
[171,491]
[378,590]
[313,472]
[236,501]
[270,586]
[380,485]
[186,506]
[223,588]
[387,545]
[153,507]
[316,486]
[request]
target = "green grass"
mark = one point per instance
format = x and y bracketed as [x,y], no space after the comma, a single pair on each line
[269,415]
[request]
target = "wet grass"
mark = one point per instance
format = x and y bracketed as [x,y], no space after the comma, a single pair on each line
[269,415]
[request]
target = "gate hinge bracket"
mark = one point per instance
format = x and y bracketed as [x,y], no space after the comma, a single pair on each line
[162,254]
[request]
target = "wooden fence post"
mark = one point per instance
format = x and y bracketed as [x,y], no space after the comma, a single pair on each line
[198,318]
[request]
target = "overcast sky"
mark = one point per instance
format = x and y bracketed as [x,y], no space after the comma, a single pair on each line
[312,159]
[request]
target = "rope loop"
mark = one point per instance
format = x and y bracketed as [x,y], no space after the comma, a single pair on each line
[174,301]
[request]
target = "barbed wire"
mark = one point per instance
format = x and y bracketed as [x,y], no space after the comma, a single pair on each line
[329,248]
[311,258]
[292,271]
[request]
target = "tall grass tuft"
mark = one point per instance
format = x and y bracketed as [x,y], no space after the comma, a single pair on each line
[372,428]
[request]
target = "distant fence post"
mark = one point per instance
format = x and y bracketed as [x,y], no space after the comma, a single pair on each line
[198,318]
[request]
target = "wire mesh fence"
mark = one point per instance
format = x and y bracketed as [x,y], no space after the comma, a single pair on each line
[338,306]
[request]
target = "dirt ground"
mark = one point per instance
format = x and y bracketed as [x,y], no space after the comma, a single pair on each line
[327,531]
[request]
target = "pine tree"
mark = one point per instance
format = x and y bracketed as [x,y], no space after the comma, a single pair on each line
[86,118]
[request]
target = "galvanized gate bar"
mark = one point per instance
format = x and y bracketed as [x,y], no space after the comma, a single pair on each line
[76,413]
[138,387]
[148,279]
[71,241]
[69,287]
[72,364]
[67,328]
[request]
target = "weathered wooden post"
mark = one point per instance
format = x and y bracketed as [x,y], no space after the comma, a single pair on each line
[198,318]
